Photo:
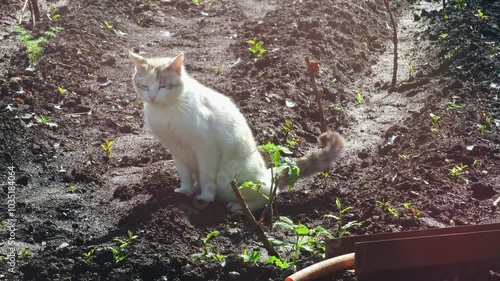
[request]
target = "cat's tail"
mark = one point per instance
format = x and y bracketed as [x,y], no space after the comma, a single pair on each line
[332,147]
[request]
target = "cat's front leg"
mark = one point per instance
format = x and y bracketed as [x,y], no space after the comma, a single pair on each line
[208,164]
[187,184]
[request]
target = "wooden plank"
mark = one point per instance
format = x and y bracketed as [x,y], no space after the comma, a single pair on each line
[427,251]
[345,245]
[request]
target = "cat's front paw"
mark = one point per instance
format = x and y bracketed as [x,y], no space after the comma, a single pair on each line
[188,191]
[234,207]
[206,196]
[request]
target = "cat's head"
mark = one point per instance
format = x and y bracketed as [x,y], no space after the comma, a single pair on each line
[158,80]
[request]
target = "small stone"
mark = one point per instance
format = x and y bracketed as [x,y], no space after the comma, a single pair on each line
[234,274]
[62,246]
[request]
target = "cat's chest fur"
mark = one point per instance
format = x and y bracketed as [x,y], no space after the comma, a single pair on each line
[176,130]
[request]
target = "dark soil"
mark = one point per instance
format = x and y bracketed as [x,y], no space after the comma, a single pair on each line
[71,199]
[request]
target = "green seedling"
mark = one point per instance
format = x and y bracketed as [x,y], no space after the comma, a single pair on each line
[481,15]
[248,257]
[72,188]
[45,120]
[291,143]
[35,46]
[411,69]
[118,254]
[89,256]
[206,253]
[333,80]
[24,253]
[61,90]
[108,25]
[254,186]
[445,17]
[53,14]
[459,4]
[454,105]
[256,48]
[458,171]
[359,97]
[486,127]
[281,163]
[310,240]
[106,147]
[415,213]
[443,36]
[434,119]
[281,264]
[405,157]
[342,227]
[287,127]
[124,243]
[387,207]
[336,107]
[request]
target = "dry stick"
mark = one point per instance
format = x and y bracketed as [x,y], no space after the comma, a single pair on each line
[260,233]
[318,95]
[268,208]
[323,268]
[22,11]
[35,11]
[395,41]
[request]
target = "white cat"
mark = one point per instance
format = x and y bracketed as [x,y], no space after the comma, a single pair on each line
[207,135]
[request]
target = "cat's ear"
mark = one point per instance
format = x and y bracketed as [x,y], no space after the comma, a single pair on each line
[138,60]
[176,65]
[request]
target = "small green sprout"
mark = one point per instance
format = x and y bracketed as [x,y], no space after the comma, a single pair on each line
[434,119]
[253,257]
[359,97]
[336,107]
[481,15]
[281,264]
[386,206]
[333,80]
[343,228]
[291,143]
[124,243]
[411,69]
[443,36]
[458,171]
[486,127]
[89,256]
[106,147]
[287,127]
[43,119]
[406,205]
[459,4]
[24,253]
[72,188]
[118,254]
[303,238]
[107,24]
[256,48]
[405,157]
[454,105]
[445,17]
[254,186]
[61,90]
[206,253]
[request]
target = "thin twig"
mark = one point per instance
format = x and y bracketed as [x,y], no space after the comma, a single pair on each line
[258,227]
[22,11]
[395,42]
[272,194]
[318,95]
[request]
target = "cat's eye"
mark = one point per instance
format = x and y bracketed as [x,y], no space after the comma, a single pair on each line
[166,86]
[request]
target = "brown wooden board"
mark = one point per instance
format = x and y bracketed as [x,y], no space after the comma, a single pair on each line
[341,246]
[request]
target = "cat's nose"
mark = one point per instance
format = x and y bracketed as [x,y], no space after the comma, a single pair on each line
[152,98]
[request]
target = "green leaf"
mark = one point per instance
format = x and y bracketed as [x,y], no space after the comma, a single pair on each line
[302,230]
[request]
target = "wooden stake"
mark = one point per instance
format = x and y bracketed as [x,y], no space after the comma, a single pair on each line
[258,227]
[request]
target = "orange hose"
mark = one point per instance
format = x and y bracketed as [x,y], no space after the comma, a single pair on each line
[323,268]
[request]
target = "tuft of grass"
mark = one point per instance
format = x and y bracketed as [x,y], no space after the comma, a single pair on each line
[35,46]
[458,171]
[359,97]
